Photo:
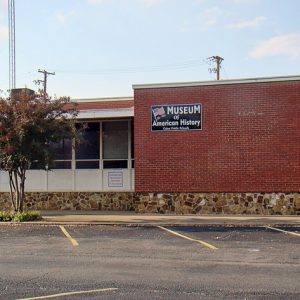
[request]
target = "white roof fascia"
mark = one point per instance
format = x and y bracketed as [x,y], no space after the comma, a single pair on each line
[107,99]
[216,82]
[105,113]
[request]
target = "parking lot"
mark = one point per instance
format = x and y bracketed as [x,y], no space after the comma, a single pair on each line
[119,262]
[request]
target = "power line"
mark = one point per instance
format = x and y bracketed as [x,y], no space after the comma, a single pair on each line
[154,68]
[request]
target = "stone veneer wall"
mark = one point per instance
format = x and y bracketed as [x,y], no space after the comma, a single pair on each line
[73,201]
[171,203]
[219,203]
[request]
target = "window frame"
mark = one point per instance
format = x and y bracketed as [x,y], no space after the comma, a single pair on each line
[101,160]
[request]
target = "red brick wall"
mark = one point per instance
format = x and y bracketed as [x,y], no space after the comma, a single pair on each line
[250,140]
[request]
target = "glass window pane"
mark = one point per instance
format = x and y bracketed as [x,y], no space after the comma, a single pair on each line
[90,146]
[62,149]
[115,164]
[61,165]
[35,166]
[115,140]
[87,164]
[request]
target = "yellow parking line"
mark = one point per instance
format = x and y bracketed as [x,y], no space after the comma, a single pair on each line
[284,231]
[71,293]
[212,247]
[66,233]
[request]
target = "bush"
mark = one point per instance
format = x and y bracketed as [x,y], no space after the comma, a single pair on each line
[8,216]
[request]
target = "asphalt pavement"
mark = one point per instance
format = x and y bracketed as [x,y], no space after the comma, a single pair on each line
[149,262]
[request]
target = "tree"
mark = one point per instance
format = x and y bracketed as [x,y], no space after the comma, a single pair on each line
[29,123]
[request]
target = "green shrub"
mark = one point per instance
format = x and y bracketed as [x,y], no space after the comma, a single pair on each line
[25,216]
[6,216]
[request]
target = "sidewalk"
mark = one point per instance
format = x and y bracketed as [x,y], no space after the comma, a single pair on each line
[134,219]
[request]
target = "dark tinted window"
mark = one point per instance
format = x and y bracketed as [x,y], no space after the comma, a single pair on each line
[87,165]
[115,140]
[90,146]
[115,164]
[62,150]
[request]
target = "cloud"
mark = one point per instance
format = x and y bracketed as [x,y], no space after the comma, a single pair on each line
[3,32]
[286,45]
[244,1]
[207,19]
[95,1]
[144,2]
[63,17]
[254,23]
[150,2]
[211,16]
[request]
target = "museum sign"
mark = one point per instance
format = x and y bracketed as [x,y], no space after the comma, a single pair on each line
[176,117]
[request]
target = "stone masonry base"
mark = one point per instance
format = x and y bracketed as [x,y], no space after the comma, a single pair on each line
[170,203]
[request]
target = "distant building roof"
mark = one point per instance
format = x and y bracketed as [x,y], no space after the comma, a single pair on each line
[95,108]
[104,103]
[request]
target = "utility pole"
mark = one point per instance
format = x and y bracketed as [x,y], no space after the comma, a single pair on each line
[39,81]
[218,60]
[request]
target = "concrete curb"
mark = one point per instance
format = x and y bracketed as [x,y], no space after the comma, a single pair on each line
[56,218]
[153,224]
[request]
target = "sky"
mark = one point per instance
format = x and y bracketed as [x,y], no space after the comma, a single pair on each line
[99,48]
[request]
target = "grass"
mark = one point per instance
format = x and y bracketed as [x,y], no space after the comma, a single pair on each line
[25,216]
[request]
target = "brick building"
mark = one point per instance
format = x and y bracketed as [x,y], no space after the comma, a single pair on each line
[249,140]
[229,146]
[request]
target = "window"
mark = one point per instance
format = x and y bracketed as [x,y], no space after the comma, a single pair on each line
[115,144]
[58,164]
[117,152]
[87,153]
[62,152]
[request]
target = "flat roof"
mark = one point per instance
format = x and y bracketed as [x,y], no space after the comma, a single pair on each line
[92,107]
[106,113]
[216,82]
[103,99]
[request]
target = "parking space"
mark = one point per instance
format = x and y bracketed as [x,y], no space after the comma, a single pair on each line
[263,236]
[149,262]
[251,245]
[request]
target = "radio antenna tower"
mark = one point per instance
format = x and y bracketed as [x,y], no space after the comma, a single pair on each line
[12,44]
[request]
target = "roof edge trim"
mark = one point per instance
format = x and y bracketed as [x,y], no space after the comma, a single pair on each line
[104,99]
[217,82]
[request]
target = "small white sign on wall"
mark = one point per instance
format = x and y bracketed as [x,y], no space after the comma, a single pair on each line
[115,179]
